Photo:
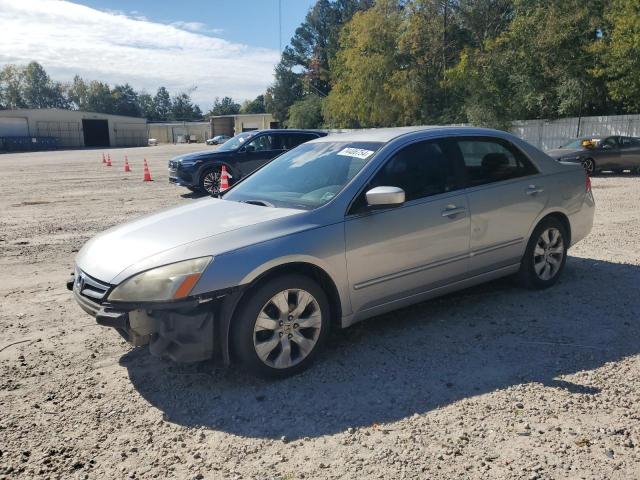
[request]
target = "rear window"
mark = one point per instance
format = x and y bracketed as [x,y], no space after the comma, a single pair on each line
[489,160]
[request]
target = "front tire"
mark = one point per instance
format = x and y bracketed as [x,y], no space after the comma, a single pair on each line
[281,326]
[210,181]
[589,165]
[545,256]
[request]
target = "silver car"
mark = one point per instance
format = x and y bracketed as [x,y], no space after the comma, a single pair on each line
[337,230]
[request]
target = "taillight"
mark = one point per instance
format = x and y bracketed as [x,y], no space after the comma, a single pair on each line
[587,186]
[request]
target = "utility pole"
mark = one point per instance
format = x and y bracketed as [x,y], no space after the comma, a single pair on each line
[580,110]
[444,53]
[280,25]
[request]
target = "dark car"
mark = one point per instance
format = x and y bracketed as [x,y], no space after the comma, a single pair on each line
[242,154]
[613,153]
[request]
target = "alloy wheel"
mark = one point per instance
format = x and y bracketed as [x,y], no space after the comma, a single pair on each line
[211,182]
[287,328]
[548,254]
[589,166]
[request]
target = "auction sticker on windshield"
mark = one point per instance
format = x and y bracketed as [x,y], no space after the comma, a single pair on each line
[356,152]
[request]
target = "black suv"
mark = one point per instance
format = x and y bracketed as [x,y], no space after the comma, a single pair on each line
[241,155]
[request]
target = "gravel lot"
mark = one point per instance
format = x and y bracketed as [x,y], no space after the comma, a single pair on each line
[492,382]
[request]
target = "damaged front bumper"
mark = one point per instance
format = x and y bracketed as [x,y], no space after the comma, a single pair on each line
[182,331]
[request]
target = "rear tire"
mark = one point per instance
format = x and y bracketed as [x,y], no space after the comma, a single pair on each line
[281,326]
[545,256]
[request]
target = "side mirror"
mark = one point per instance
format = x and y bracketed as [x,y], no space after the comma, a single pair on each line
[249,148]
[385,197]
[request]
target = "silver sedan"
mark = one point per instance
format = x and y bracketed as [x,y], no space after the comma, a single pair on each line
[337,230]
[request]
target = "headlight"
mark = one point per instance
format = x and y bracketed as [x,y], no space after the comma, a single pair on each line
[190,163]
[570,159]
[170,282]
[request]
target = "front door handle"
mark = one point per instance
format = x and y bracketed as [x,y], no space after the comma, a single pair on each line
[452,210]
[533,190]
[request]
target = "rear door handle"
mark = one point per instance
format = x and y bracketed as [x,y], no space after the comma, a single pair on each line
[452,210]
[533,190]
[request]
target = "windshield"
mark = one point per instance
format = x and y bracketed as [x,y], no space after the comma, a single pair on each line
[307,176]
[581,143]
[236,142]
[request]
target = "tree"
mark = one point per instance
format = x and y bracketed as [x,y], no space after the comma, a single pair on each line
[366,70]
[30,87]
[256,105]
[11,87]
[305,67]
[482,21]
[125,101]
[224,106]
[306,113]
[162,104]
[183,109]
[147,108]
[77,94]
[316,40]
[39,91]
[515,75]
[619,51]
[99,98]
[285,91]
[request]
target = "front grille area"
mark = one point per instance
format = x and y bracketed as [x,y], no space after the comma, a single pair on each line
[90,288]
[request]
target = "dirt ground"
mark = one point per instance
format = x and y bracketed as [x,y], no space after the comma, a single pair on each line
[491,382]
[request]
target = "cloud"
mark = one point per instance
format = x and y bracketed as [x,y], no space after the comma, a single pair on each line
[68,39]
[196,27]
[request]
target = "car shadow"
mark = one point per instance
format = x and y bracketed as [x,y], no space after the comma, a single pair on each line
[416,359]
[197,194]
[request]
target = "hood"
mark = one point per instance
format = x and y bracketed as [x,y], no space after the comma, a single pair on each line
[564,152]
[199,155]
[155,236]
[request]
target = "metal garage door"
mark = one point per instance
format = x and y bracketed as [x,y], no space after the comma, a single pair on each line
[131,134]
[14,127]
[67,133]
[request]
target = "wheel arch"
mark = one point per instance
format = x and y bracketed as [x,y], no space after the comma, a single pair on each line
[557,214]
[298,266]
[217,163]
[308,269]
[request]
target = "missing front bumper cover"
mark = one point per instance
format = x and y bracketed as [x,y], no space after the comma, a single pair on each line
[181,337]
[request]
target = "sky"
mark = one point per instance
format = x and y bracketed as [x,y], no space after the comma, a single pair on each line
[218,47]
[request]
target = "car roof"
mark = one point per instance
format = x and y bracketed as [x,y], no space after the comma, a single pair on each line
[385,135]
[287,130]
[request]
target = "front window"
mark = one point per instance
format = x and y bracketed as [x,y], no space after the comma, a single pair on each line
[236,142]
[263,143]
[307,176]
[582,143]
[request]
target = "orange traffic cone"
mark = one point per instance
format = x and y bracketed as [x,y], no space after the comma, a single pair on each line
[126,164]
[145,163]
[147,173]
[104,160]
[108,160]
[224,179]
